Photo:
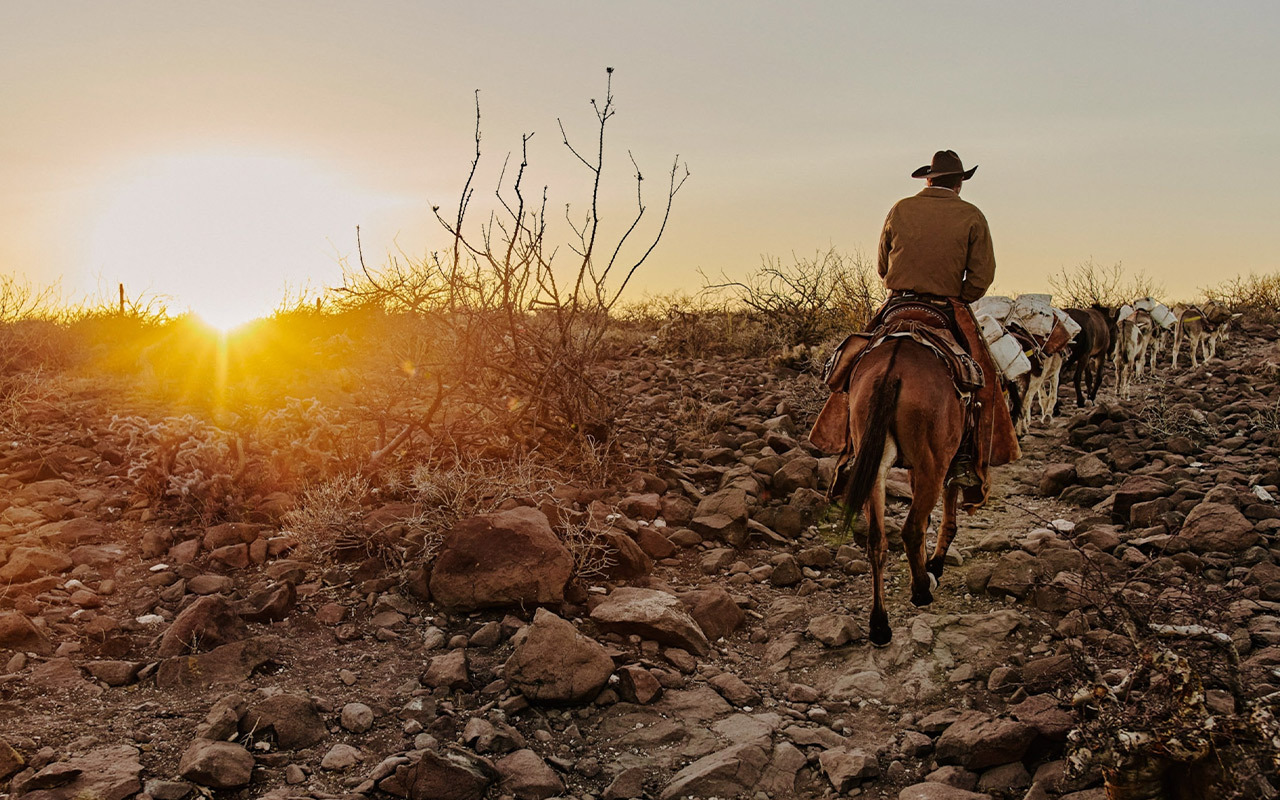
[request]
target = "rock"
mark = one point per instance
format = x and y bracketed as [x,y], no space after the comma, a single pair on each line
[115,673]
[1092,471]
[1137,489]
[230,663]
[356,717]
[507,558]
[835,630]
[554,663]
[527,776]
[448,671]
[654,544]
[230,534]
[223,719]
[1217,527]
[651,614]
[218,765]
[1055,478]
[976,741]
[847,768]
[786,571]
[638,685]
[293,719]
[449,775]
[270,605]
[735,690]
[798,473]
[714,610]
[18,633]
[28,563]
[1013,575]
[10,760]
[628,785]
[107,773]
[725,773]
[341,757]
[203,625]
[931,790]
[628,559]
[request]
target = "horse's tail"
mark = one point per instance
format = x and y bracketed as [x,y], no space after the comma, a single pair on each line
[866,464]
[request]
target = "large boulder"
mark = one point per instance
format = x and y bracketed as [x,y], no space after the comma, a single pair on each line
[29,563]
[18,633]
[651,614]
[1217,527]
[294,720]
[553,663]
[448,775]
[726,773]
[507,558]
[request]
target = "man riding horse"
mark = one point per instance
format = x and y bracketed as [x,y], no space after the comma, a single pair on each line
[935,250]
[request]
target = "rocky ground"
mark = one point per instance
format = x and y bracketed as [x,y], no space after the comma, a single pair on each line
[723,655]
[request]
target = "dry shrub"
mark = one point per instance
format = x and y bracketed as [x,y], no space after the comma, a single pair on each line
[1091,283]
[195,467]
[328,511]
[811,299]
[1255,295]
[1165,418]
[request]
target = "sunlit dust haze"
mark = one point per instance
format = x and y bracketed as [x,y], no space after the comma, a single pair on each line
[223,154]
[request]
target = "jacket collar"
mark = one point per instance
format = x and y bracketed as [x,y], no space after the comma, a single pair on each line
[937,191]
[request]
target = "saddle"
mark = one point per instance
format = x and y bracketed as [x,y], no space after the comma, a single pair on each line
[918,320]
[1194,313]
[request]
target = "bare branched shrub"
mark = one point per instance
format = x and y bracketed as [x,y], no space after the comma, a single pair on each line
[811,299]
[1256,295]
[1092,283]
[1164,418]
[527,333]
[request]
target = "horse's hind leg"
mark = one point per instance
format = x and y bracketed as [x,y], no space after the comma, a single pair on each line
[946,531]
[878,549]
[926,484]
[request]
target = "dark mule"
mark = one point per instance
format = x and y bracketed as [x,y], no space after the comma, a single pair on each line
[903,407]
[1089,350]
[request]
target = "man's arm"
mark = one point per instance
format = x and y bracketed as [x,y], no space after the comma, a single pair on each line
[886,244]
[980,269]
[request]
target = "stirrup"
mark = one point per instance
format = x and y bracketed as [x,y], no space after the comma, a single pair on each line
[962,473]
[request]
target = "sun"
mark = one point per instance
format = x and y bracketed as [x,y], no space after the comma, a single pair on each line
[224,235]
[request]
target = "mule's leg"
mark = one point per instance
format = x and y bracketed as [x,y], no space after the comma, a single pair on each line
[926,485]
[1177,342]
[1081,374]
[878,548]
[946,531]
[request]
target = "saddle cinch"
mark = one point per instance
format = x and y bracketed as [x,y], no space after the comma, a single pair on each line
[919,321]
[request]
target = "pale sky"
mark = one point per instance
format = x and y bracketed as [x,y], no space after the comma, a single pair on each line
[226,148]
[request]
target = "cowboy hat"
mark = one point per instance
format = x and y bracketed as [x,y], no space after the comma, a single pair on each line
[945,162]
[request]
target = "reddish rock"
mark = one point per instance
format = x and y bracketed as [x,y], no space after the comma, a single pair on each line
[651,614]
[526,776]
[230,533]
[28,563]
[508,558]
[108,773]
[654,544]
[554,663]
[228,664]
[203,625]
[627,558]
[1217,527]
[638,685]
[715,611]
[235,556]
[293,719]
[976,741]
[219,765]
[270,605]
[18,633]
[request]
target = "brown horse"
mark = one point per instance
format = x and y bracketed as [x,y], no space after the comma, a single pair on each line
[903,407]
[1089,351]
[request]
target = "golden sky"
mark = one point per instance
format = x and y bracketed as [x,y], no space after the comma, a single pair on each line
[224,149]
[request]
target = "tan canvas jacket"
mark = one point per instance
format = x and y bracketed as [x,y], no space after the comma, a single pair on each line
[936,243]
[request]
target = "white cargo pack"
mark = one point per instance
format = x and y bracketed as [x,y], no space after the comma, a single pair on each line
[994,305]
[1070,324]
[1007,353]
[1124,312]
[991,328]
[1158,311]
[1034,313]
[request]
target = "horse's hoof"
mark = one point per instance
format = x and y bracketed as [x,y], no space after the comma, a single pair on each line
[881,637]
[921,599]
[934,567]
